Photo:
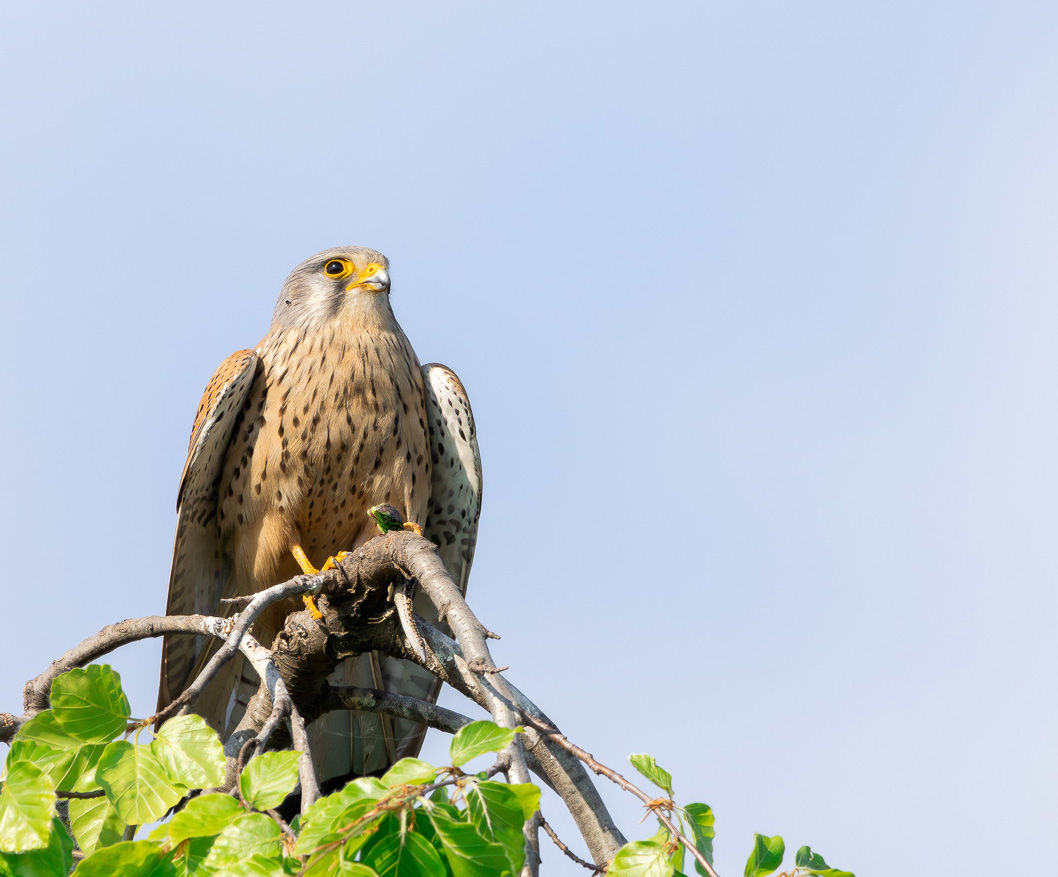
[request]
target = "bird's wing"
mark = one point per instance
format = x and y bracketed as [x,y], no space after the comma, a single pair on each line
[200,568]
[455,487]
[451,524]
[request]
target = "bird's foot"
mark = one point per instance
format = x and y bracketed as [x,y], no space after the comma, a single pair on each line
[309,569]
[310,604]
[303,561]
[332,562]
[413,527]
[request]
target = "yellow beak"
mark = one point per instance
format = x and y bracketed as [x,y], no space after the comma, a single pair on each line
[373,277]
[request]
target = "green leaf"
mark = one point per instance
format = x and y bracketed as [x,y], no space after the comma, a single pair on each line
[136,782]
[269,778]
[372,787]
[27,805]
[646,765]
[700,818]
[643,858]
[190,752]
[663,836]
[468,853]
[409,772]
[336,864]
[477,738]
[81,776]
[257,865]
[204,816]
[316,825]
[766,856]
[246,835]
[191,854]
[813,863]
[404,855]
[54,860]
[341,811]
[137,858]
[497,814]
[528,796]
[89,704]
[44,744]
[95,823]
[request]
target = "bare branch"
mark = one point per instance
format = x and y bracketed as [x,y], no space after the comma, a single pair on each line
[419,558]
[282,823]
[374,700]
[37,690]
[595,869]
[402,601]
[358,617]
[36,694]
[552,733]
[9,725]
[283,704]
[559,768]
[299,585]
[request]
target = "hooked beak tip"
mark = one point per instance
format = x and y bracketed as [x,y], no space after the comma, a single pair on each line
[377,282]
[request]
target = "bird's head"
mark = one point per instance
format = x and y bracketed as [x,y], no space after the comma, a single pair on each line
[349,280]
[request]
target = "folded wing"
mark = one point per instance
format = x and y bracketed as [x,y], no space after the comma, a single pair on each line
[200,569]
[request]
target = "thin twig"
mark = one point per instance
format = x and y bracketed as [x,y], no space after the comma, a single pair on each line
[262,662]
[98,793]
[401,706]
[402,601]
[558,768]
[595,869]
[424,564]
[553,733]
[310,789]
[282,823]
[415,558]
[399,798]
[37,692]
[299,585]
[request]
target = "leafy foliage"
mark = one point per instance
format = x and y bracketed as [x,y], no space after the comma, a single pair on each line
[766,856]
[268,779]
[418,820]
[476,739]
[647,766]
[812,863]
[664,854]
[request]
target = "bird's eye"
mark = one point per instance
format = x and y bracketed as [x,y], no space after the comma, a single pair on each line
[334,268]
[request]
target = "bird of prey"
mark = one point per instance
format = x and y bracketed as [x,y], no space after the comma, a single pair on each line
[294,442]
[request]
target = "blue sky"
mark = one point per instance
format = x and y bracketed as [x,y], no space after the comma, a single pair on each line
[756,307]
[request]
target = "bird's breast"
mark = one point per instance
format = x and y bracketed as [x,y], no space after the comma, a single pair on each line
[335,424]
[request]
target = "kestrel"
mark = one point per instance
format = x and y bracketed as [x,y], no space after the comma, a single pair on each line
[294,441]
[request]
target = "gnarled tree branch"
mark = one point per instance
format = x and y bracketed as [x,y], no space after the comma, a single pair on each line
[358,616]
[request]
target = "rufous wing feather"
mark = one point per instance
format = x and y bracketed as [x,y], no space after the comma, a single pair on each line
[200,568]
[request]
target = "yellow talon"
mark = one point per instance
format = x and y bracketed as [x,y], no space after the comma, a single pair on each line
[415,528]
[309,569]
[332,562]
[303,561]
[310,604]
